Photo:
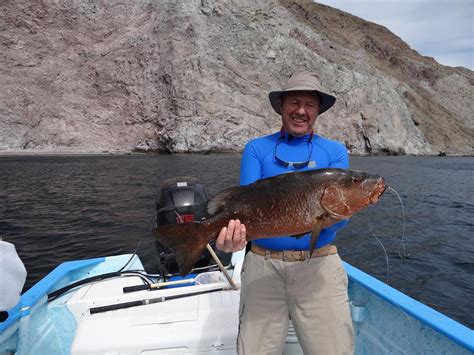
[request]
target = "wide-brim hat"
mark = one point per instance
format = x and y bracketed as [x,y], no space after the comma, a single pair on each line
[302,81]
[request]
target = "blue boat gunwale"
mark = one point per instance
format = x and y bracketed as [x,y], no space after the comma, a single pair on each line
[434,319]
[48,283]
[427,315]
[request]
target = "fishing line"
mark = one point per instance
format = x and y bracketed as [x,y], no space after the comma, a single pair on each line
[409,319]
[402,239]
[138,245]
[401,245]
[180,219]
[417,343]
[405,255]
[384,250]
[144,276]
[388,266]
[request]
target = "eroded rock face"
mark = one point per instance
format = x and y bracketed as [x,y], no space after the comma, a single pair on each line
[193,76]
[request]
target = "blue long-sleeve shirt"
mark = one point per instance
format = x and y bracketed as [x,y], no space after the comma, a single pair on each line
[258,162]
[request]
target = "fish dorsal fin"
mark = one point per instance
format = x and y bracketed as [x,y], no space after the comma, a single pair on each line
[217,203]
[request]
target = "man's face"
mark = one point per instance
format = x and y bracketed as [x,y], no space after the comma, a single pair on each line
[299,110]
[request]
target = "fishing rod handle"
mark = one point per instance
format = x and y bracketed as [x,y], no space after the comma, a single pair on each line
[112,307]
[136,288]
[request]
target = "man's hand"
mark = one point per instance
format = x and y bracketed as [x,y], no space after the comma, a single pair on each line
[232,237]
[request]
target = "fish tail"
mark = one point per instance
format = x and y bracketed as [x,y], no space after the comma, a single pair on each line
[187,240]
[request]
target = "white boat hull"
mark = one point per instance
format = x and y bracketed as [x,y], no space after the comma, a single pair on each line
[385,320]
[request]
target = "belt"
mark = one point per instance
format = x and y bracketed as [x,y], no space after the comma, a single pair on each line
[293,255]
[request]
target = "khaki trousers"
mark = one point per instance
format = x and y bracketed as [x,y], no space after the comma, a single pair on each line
[313,293]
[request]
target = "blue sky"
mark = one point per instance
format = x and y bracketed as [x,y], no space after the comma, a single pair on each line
[442,29]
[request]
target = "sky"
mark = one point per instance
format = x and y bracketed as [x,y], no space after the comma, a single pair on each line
[442,29]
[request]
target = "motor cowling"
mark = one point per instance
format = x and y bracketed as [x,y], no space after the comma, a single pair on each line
[180,200]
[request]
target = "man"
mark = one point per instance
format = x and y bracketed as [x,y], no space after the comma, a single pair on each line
[276,288]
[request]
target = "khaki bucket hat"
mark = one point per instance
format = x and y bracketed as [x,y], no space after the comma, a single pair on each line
[302,81]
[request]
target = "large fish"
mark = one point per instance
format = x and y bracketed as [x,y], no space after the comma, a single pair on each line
[288,204]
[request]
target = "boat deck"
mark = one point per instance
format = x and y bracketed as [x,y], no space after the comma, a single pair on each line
[385,320]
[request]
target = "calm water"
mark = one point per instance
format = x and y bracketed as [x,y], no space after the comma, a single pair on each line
[59,208]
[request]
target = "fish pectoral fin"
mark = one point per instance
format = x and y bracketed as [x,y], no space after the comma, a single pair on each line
[218,202]
[314,235]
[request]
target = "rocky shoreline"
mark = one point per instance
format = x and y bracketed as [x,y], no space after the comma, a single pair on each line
[77,152]
[193,77]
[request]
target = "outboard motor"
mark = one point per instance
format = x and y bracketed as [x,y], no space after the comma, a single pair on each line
[181,200]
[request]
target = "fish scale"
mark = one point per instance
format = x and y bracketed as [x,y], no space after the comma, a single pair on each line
[288,204]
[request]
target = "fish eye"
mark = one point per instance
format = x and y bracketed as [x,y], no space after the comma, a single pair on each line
[355,180]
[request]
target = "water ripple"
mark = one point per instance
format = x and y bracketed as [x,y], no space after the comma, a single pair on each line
[62,208]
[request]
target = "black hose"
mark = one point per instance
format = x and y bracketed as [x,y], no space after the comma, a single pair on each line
[55,294]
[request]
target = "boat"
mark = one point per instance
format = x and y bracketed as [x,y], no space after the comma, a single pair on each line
[98,306]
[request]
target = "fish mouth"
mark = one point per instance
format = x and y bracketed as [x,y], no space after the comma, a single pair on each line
[378,190]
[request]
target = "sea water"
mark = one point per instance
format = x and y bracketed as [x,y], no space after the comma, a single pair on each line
[60,208]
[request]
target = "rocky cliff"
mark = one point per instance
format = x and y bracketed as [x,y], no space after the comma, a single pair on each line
[193,76]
